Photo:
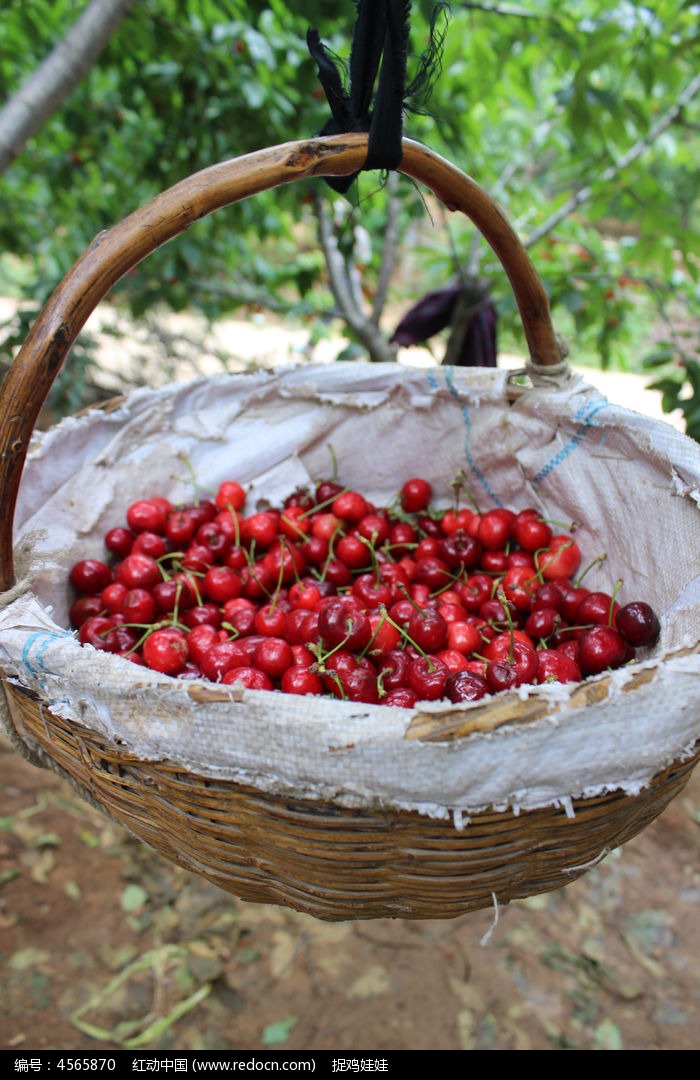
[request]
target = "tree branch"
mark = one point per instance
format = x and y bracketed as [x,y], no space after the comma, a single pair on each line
[507,9]
[48,86]
[377,345]
[584,193]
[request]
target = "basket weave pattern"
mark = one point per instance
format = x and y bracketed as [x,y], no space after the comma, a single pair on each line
[336,863]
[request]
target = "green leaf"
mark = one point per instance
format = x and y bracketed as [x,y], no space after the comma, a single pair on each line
[27,958]
[607,1036]
[659,357]
[278,1032]
[133,897]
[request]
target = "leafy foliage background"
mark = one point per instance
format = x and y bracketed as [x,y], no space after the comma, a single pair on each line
[542,103]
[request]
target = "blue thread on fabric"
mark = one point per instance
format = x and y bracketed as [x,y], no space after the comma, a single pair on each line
[587,412]
[38,659]
[466,415]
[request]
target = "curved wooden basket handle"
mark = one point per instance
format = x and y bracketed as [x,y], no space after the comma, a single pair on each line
[114,252]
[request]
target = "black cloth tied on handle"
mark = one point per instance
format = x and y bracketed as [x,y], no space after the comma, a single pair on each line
[379,47]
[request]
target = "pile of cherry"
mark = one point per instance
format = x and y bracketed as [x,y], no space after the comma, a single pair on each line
[332,595]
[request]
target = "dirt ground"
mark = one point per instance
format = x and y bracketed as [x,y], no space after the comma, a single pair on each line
[105,945]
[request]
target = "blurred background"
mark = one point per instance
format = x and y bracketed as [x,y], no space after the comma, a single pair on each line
[582,121]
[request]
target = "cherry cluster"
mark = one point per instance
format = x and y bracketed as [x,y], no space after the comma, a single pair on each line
[332,595]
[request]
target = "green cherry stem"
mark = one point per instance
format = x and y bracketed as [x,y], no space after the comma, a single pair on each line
[618,586]
[594,562]
[407,637]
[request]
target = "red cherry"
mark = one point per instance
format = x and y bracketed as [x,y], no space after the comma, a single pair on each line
[271,620]
[241,621]
[638,624]
[337,574]
[494,528]
[360,684]
[166,650]
[90,576]
[428,630]
[222,657]
[198,558]
[353,552]
[98,632]
[554,666]
[385,637]
[138,606]
[542,622]
[147,515]
[249,677]
[84,608]
[201,513]
[180,527]
[393,669]
[325,526]
[518,585]
[466,686]
[561,559]
[119,541]
[284,562]
[504,674]
[202,614]
[432,572]
[300,680]
[273,656]
[200,640]
[215,538]
[295,524]
[570,598]
[599,648]
[338,624]
[230,496]
[230,523]
[463,520]
[176,592]
[494,562]
[401,698]
[596,607]
[476,592]
[431,528]
[150,543]
[301,499]
[427,677]
[261,528]
[463,637]
[372,593]
[350,506]
[112,597]
[374,528]
[415,495]
[530,531]
[138,572]
[327,490]
[460,551]
[402,537]
[548,595]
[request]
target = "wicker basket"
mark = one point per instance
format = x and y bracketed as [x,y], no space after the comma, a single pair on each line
[324,806]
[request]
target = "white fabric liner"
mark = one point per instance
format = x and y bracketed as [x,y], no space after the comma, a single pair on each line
[632,483]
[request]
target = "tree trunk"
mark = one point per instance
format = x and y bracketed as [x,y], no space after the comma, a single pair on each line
[48,86]
[346,291]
